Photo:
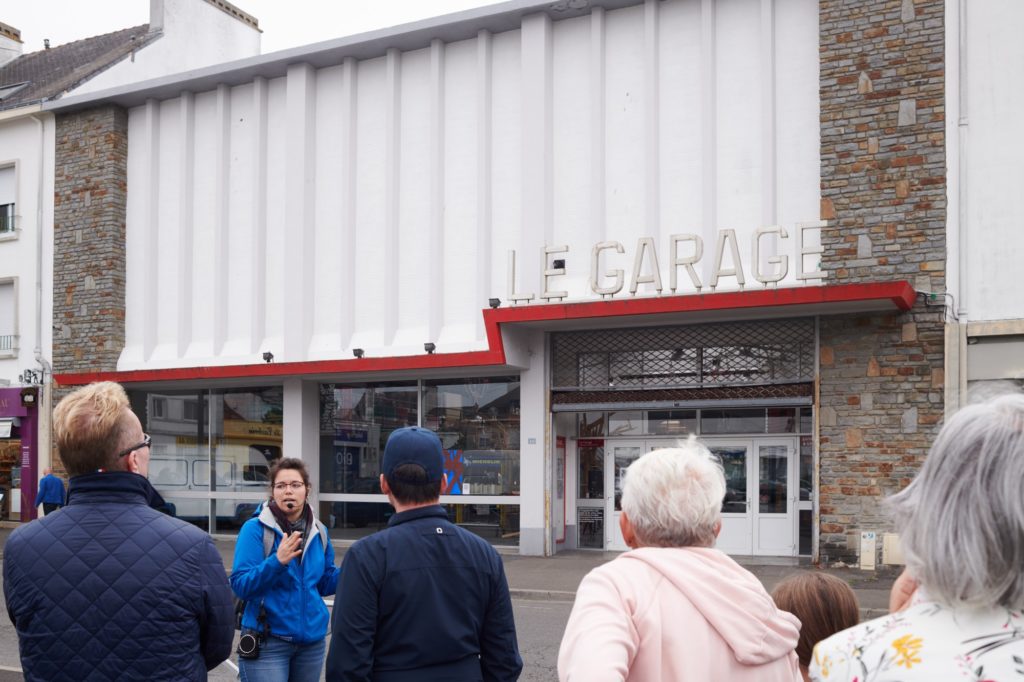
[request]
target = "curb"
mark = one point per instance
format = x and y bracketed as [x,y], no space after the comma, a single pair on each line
[542,595]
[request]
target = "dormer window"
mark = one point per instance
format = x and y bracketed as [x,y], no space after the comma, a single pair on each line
[8,90]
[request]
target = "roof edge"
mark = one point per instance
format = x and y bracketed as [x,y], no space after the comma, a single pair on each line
[497,18]
[236,13]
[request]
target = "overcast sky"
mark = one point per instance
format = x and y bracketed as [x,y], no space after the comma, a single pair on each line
[285,23]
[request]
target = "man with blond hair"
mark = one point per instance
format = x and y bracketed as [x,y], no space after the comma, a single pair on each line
[111,588]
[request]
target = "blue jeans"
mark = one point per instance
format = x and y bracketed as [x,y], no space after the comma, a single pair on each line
[282,661]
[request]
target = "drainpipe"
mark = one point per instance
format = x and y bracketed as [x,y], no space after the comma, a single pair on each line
[44,408]
[962,130]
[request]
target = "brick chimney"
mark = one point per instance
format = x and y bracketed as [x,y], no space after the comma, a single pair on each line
[10,43]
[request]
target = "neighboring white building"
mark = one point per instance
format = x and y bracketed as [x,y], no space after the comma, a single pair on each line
[182,34]
[986,174]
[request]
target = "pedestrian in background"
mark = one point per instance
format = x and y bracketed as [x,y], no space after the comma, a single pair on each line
[824,604]
[422,599]
[51,492]
[284,566]
[675,608]
[958,611]
[110,588]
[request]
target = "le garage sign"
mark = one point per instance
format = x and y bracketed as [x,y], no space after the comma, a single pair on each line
[647,268]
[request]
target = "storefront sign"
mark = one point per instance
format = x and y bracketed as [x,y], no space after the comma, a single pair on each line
[590,443]
[236,428]
[684,252]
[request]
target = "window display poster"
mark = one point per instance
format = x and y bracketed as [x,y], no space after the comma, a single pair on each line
[454,466]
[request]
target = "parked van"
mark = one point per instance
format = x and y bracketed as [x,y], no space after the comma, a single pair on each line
[235,467]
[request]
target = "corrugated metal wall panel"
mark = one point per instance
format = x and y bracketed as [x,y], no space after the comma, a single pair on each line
[373,204]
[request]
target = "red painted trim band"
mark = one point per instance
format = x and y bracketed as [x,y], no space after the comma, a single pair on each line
[900,295]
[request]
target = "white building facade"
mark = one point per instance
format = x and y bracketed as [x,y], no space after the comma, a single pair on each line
[559,236]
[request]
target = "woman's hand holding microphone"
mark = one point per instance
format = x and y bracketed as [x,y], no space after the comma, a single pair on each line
[290,547]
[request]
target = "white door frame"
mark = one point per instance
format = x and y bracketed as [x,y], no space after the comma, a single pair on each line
[612,482]
[776,534]
[746,532]
[737,536]
[613,534]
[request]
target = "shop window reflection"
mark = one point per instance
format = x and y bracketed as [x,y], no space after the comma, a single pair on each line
[242,428]
[496,523]
[355,422]
[477,421]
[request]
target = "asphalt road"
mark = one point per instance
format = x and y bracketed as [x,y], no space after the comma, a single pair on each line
[539,625]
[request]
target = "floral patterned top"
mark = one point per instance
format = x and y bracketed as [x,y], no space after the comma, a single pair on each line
[927,641]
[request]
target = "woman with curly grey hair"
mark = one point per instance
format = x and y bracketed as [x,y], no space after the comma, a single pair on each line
[674,607]
[958,608]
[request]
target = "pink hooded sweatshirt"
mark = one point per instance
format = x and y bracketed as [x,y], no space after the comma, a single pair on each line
[680,614]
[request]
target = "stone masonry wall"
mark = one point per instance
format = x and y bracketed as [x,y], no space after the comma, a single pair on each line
[883,188]
[90,201]
[89,239]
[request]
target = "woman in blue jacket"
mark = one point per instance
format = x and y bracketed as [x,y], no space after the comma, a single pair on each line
[284,564]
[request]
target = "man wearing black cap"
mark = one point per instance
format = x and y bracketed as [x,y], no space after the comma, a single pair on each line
[423,599]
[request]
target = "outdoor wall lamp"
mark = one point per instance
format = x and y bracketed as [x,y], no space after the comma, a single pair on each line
[268,356]
[429,347]
[494,302]
[358,352]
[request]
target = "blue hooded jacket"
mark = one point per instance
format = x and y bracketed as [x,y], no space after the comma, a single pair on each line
[292,594]
[110,588]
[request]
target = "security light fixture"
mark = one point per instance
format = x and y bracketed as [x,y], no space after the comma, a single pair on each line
[429,347]
[494,302]
[358,352]
[558,264]
[268,356]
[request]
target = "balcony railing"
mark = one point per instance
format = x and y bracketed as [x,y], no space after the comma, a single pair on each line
[8,342]
[6,218]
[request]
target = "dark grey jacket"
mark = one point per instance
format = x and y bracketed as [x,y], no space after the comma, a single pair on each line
[109,588]
[423,600]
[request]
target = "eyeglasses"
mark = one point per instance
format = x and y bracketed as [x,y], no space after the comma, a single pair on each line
[146,441]
[294,485]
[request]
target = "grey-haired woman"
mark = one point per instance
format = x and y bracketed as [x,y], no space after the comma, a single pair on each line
[958,608]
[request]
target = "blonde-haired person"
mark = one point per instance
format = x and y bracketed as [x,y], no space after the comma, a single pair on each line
[675,608]
[824,604]
[957,612]
[110,588]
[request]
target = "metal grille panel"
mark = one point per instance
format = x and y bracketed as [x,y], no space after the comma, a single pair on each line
[695,356]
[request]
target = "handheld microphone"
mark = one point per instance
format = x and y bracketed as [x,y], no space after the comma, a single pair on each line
[290,505]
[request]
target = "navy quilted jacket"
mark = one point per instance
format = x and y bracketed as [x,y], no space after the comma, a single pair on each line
[109,588]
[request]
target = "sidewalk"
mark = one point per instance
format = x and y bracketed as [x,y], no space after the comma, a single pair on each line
[556,578]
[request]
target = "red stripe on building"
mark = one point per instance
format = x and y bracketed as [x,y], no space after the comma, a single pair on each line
[900,295]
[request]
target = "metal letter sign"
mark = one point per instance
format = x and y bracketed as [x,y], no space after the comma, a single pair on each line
[770,269]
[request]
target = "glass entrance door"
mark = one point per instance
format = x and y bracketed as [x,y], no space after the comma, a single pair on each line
[758,514]
[774,518]
[737,535]
[619,455]
[618,458]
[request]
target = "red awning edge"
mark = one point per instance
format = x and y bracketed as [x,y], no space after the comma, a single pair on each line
[899,294]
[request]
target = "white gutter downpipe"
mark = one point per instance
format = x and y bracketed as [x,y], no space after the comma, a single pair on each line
[45,404]
[962,219]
